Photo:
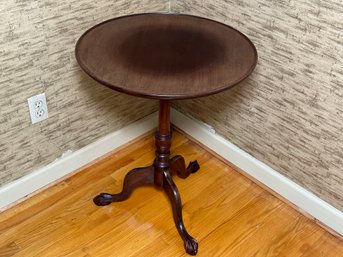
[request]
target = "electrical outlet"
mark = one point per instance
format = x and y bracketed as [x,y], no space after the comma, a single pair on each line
[38,108]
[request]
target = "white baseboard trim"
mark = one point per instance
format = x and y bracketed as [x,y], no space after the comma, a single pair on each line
[292,192]
[42,177]
[297,195]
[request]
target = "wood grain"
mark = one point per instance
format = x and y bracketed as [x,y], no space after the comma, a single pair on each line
[225,211]
[166,56]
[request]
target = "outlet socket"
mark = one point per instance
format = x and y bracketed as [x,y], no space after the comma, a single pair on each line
[38,108]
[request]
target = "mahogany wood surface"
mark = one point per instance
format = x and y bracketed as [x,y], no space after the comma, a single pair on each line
[166,56]
[159,174]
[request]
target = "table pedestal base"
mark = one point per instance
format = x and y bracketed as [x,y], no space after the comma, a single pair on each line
[160,174]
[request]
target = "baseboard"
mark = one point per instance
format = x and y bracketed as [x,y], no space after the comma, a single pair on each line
[44,176]
[287,189]
[306,201]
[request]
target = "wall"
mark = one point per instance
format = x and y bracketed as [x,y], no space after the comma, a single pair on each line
[289,113]
[37,40]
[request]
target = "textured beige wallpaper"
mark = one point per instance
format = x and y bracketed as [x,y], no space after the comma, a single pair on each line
[289,113]
[37,41]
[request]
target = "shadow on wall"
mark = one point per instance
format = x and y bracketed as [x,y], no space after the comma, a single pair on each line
[119,108]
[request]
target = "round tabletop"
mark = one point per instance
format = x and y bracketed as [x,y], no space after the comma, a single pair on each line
[166,56]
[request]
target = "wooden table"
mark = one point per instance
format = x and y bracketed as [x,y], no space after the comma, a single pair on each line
[165,57]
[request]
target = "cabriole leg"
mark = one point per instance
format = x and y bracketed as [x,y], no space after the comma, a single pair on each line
[177,165]
[135,178]
[191,245]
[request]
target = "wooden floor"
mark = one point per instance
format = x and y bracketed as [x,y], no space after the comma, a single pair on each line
[227,213]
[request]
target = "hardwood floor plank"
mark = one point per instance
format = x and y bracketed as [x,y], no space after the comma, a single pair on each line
[9,250]
[225,211]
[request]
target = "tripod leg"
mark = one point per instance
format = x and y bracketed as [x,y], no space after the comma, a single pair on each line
[134,178]
[191,245]
[177,165]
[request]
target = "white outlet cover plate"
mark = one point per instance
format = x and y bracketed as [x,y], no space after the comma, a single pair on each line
[38,108]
